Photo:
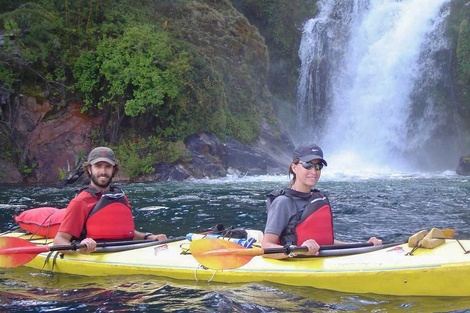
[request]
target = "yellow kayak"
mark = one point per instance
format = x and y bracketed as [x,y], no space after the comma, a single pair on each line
[440,271]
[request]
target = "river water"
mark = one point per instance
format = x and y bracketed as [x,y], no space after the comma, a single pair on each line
[389,205]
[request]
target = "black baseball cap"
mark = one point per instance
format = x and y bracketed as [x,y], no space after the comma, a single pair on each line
[307,152]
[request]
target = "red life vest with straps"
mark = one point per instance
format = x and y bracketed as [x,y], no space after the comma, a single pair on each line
[313,221]
[318,226]
[111,218]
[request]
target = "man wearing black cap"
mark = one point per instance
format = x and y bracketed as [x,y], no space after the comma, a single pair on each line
[100,211]
[301,215]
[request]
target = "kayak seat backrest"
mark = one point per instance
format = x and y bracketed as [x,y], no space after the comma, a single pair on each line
[44,221]
[256,234]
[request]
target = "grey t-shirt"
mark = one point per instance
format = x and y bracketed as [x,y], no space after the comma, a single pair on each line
[283,210]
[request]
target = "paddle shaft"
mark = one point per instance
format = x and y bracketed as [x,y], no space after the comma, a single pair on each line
[134,242]
[40,249]
[106,244]
[300,249]
[448,234]
[235,249]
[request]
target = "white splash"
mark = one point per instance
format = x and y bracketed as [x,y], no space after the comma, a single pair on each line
[375,54]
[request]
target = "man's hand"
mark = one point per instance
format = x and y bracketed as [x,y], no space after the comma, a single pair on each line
[90,245]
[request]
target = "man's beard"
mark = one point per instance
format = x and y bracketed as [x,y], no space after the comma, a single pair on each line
[95,180]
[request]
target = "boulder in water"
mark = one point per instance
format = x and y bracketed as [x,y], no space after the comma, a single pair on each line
[464,166]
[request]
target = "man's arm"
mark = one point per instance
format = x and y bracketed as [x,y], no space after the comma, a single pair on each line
[143,236]
[63,238]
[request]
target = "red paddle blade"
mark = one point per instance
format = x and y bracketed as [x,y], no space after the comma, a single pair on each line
[16,251]
[220,254]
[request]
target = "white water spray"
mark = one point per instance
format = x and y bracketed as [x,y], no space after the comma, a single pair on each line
[364,63]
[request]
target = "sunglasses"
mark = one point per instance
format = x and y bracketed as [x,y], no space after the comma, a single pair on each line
[309,166]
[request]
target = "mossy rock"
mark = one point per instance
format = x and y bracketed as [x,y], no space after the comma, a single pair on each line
[464,166]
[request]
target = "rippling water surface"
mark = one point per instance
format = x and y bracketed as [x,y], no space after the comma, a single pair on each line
[391,206]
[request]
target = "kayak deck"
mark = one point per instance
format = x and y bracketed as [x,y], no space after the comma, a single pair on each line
[442,271]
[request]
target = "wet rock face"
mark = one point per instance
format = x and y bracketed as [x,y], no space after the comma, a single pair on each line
[52,145]
[211,158]
[56,147]
[9,174]
[55,144]
[464,166]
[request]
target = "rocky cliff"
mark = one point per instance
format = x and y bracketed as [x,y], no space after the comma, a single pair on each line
[49,139]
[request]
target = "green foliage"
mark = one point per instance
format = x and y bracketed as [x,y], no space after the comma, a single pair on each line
[280,22]
[8,78]
[463,52]
[26,169]
[244,130]
[5,143]
[32,54]
[135,158]
[149,73]
[459,26]
[86,72]
[203,103]
[176,151]
[173,68]
[62,174]
[9,5]
[142,70]
[45,38]
[138,156]
[96,139]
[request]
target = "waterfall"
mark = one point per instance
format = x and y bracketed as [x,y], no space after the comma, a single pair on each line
[371,72]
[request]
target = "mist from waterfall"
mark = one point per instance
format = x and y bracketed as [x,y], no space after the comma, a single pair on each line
[368,72]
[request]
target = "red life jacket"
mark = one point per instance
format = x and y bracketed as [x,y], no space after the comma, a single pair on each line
[111,218]
[318,226]
[313,221]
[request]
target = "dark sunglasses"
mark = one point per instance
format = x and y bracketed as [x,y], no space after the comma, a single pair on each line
[309,166]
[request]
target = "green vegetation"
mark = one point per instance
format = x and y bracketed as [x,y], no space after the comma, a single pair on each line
[26,169]
[463,52]
[115,58]
[141,71]
[139,156]
[62,174]
[168,68]
[281,23]
[463,64]
[459,33]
